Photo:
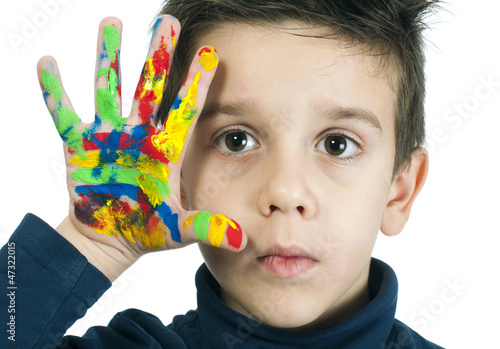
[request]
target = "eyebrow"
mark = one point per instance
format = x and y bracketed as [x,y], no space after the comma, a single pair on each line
[333,113]
[233,109]
[363,115]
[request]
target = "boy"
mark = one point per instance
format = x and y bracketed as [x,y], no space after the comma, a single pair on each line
[314,125]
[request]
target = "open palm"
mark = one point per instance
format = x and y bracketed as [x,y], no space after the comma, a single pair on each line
[124,173]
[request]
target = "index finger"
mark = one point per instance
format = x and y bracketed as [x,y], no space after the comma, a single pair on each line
[182,117]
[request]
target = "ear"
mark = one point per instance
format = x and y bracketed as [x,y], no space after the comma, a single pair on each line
[403,192]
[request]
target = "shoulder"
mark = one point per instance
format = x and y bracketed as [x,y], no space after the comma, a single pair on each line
[404,337]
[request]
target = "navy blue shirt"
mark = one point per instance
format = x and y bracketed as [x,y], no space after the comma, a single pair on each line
[50,285]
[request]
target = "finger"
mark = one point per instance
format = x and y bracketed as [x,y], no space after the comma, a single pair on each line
[182,117]
[107,74]
[156,71]
[212,229]
[67,123]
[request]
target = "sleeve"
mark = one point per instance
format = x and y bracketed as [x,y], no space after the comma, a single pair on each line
[47,284]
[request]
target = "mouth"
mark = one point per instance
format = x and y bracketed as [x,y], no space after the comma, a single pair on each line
[286,263]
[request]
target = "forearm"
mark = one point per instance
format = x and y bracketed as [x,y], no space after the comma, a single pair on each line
[51,286]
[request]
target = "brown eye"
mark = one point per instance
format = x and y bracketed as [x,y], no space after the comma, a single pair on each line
[335,145]
[338,145]
[236,141]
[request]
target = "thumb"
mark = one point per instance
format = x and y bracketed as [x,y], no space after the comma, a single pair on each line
[212,229]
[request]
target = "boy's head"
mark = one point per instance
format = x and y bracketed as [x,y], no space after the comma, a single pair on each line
[310,138]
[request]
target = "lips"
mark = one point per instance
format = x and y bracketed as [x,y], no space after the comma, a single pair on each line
[286,263]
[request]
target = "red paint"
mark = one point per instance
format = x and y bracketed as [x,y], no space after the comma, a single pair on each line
[88,145]
[172,31]
[86,206]
[114,66]
[149,149]
[203,50]
[146,107]
[234,235]
[161,59]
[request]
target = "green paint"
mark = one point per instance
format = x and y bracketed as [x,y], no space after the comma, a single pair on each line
[200,224]
[52,85]
[65,119]
[66,128]
[106,103]
[116,175]
[111,41]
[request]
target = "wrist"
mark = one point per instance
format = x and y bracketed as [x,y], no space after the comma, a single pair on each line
[108,259]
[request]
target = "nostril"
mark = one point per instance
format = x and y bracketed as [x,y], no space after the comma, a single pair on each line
[300,209]
[272,208]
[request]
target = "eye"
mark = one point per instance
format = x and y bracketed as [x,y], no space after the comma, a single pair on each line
[235,141]
[338,145]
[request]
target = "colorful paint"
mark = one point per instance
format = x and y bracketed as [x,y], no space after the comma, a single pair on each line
[214,227]
[208,58]
[124,173]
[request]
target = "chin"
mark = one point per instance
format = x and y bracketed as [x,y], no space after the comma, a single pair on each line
[289,314]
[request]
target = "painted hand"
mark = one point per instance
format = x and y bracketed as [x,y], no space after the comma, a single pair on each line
[124,173]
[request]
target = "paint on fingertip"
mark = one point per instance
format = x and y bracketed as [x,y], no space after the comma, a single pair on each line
[212,228]
[208,58]
[156,26]
[234,235]
[172,34]
[111,41]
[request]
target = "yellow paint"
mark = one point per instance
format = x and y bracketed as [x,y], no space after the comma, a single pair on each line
[188,222]
[153,80]
[209,59]
[217,229]
[148,186]
[142,163]
[106,221]
[171,141]
[114,223]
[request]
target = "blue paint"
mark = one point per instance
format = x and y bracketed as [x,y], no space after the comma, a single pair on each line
[138,136]
[171,220]
[94,129]
[155,28]
[176,103]
[115,189]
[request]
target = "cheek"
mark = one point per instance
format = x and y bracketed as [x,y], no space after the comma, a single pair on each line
[353,214]
[210,184]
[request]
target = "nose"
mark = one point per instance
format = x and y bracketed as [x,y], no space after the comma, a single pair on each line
[286,186]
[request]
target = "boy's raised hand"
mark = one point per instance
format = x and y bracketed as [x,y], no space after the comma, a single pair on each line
[124,173]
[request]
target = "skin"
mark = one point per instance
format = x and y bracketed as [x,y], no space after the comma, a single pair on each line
[283,187]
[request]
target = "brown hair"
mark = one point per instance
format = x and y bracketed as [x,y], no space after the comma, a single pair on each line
[391,29]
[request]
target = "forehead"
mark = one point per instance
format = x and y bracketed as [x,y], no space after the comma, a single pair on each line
[289,69]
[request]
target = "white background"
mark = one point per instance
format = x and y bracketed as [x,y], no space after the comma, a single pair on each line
[446,259]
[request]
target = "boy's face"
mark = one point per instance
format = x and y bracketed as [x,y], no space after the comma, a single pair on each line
[297,145]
